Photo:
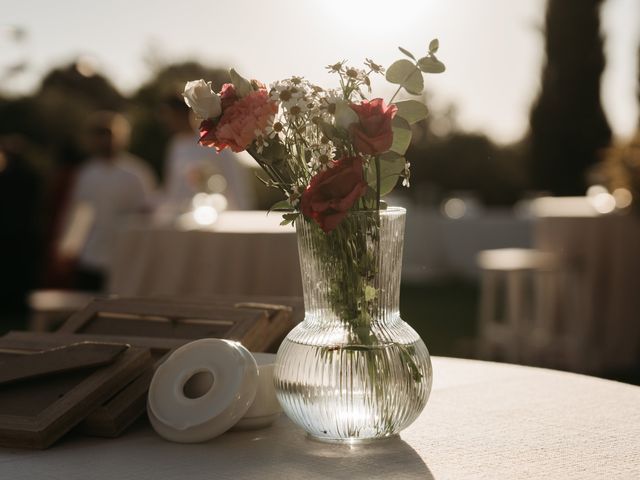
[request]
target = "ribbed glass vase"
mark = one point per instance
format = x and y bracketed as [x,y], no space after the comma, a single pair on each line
[353,370]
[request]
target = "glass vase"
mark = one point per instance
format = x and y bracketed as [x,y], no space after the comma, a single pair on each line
[353,370]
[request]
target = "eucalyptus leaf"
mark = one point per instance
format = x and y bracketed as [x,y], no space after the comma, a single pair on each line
[390,172]
[406,74]
[407,53]
[401,135]
[412,111]
[289,218]
[282,205]
[431,65]
[415,83]
[390,156]
[243,86]
[434,45]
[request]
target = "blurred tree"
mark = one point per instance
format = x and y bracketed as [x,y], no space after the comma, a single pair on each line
[568,125]
[445,159]
[67,96]
[149,138]
[469,162]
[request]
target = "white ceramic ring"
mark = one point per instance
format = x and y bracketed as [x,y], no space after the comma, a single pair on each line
[202,390]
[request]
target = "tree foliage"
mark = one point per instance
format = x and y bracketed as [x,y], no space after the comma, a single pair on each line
[568,125]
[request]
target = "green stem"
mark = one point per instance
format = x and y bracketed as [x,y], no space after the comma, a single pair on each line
[378,183]
[394,95]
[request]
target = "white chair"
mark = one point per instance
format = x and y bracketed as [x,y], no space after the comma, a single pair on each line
[516,298]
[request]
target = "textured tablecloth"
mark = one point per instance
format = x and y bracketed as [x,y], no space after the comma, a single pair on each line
[243,253]
[483,421]
[603,256]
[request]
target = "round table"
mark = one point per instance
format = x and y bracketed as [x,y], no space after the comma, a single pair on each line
[244,252]
[483,421]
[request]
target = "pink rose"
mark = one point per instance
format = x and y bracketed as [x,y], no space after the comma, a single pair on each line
[333,192]
[239,122]
[373,133]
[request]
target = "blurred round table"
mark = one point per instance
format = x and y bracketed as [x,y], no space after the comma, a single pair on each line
[244,252]
[483,421]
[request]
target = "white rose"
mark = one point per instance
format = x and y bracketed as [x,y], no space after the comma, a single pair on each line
[344,115]
[204,102]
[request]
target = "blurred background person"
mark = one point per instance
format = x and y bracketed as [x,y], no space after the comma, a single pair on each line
[20,191]
[190,169]
[110,186]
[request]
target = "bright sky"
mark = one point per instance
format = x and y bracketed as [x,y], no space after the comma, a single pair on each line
[492,48]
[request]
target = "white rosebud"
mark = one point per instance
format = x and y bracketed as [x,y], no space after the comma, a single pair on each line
[204,102]
[344,115]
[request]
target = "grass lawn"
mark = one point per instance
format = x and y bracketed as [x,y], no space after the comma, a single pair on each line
[443,312]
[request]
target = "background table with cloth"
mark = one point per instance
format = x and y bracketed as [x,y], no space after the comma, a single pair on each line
[242,253]
[602,255]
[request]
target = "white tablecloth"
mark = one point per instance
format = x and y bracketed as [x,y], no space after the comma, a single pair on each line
[603,254]
[483,421]
[242,253]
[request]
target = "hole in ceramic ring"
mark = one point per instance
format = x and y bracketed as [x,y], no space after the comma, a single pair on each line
[198,384]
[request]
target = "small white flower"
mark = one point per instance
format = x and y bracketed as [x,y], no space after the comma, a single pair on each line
[355,73]
[275,129]
[260,141]
[204,102]
[297,107]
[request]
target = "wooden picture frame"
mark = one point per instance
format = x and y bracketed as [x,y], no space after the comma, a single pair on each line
[37,412]
[121,409]
[161,324]
[257,326]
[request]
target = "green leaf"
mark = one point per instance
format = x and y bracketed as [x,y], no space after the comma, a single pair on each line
[390,156]
[390,171]
[406,74]
[407,53]
[401,135]
[434,45]
[289,218]
[282,205]
[431,65]
[412,111]
[243,86]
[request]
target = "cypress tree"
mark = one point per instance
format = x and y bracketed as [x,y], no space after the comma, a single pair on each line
[568,125]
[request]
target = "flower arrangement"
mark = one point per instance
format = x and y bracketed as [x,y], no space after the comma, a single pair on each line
[335,153]
[330,151]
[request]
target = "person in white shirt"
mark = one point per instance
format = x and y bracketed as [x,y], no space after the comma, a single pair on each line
[110,187]
[188,165]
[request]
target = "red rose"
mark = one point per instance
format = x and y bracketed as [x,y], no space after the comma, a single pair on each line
[228,96]
[333,192]
[373,133]
[207,133]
